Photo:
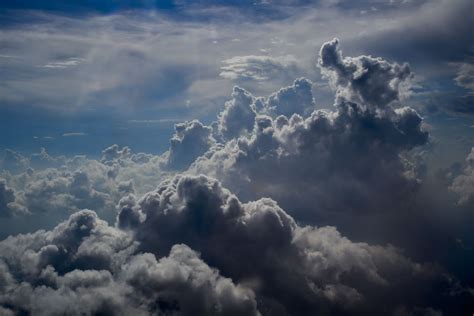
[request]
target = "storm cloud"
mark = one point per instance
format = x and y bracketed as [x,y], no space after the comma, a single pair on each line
[278,207]
[254,258]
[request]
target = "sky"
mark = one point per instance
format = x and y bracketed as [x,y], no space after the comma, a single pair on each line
[265,157]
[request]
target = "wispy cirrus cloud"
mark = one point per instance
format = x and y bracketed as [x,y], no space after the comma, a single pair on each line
[74,134]
[65,63]
[259,68]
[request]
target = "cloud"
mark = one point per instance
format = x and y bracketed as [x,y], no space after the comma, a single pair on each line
[8,205]
[295,99]
[463,184]
[13,161]
[190,244]
[368,81]
[259,68]
[74,134]
[198,248]
[328,162]
[84,266]
[190,141]
[435,31]
[465,76]
[238,115]
[293,269]
[66,63]
[44,185]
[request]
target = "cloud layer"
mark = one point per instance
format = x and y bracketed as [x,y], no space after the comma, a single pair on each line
[266,211]
[266,263]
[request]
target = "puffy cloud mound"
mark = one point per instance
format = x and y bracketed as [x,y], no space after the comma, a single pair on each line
[191,246]
[85,267]
[295,99]
[465,76]
[75,183]
[191,140]
[325,162]
[13,161]
[463,184]
[292,269]
[238,115]
[114,153]
[8,205]
[371,82]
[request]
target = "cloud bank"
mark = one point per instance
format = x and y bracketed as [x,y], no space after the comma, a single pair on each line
[266,211]
[263,262]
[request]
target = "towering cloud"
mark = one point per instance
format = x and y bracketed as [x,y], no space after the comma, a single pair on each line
[248,216]
[368,81]
[238,115]
[191,140]
[327,165]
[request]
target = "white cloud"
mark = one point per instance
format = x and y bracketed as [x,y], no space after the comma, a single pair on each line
[65,63]
[465,76]
[463,184]
[73,134]
[259,68]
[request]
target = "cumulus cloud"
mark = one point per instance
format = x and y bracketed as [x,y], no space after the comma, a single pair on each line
[463,184]
[198,248]
[238,115]
[84,266]
[369,81]
[323,163]
[292,269]
[191,140]
[41,184]
[295,99]
[114,153]
[465,76]
[13,161]
[8,204]
[191,245]
[259,68]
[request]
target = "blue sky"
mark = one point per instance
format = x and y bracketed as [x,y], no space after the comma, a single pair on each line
[75,64]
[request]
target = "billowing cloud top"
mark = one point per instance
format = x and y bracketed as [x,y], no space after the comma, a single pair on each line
[275,208]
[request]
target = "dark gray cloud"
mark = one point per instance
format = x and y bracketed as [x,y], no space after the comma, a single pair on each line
[83,266]
[463,183]
[292,269]
[191,140]
[328,163]
[191,246]
[270,263]
[238,115]
[368,81]
[295,99]
[86,266]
